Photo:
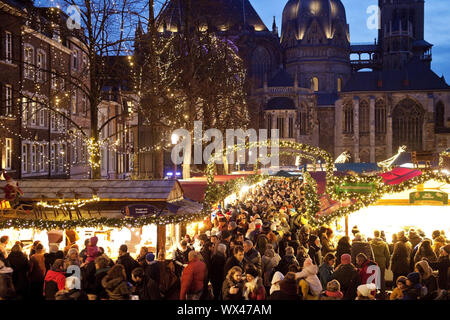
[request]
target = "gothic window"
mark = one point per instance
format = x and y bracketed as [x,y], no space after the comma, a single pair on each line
[261,64]
[348,118]
[380,116]
[407,125]
[339,84]
[291,128]
[440,115]
[364,116]
[269,125]
[280,127]
[303,121]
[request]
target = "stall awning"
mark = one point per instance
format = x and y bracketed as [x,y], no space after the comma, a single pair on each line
[357,167]
[398,175]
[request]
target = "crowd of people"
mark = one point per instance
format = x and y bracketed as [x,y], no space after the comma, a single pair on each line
[260,248]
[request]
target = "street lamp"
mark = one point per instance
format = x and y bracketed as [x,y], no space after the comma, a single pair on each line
[175,138]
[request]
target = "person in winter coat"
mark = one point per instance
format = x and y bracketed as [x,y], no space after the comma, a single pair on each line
[182,257]
[443,265]
[252,256]
[36,273]
[414,238]
[193,278]
[425,251]
[127,261]
[7,291]
[382,257]
[429,281]
[288,260]
[315,248]
[360,245]
[333,291]
[253,287]
[115,283]
[276,279]
[70,291]
[401,257]
[261,241]
[18,261]
[232,288]
[366,269]
[237,260]
[326,269]
[54,280]
[413,289]
[309,273]
[326,241]
[348,277]
[145,288]
[92,250]
[269,262]
[288,289]
[438,243]
[397,293]
[216,271]
[101,270]
[51,257]
[4,240]
[141,257]
[343,247]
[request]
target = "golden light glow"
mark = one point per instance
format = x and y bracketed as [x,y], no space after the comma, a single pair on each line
[315,7]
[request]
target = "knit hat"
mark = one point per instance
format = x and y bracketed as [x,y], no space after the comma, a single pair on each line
[150,256]
[366,289]
[258,223]
[333,286]
[346,258]
[414,277]
[355,230]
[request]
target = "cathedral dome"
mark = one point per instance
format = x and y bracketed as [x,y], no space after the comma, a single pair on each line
[298,16]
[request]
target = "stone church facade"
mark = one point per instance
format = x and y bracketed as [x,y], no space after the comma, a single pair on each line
[307,81]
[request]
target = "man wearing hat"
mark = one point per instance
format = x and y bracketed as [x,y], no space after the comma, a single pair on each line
[347,275]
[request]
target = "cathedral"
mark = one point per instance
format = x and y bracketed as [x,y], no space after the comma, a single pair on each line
[317,88]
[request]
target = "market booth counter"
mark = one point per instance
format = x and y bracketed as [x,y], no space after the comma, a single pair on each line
[138,213]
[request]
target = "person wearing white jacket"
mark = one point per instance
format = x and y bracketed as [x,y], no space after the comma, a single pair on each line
[309,273]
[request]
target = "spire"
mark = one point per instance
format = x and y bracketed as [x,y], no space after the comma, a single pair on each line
[274,27]
[139,29]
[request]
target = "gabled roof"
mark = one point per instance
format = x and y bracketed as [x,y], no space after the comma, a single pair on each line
[418,75]
[123,190]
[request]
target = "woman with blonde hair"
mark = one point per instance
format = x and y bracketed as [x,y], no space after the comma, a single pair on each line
[232,286]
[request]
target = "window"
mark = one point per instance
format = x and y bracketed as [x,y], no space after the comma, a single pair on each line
[380,117]
[54,82]
[53,157]
[8,47]
[440,115]
[280,127]
[291,128]
[74,103]
[364,117]
[269,126]
[407,125]
[40,66]
[61,157]
[33,158]
[339,84]
[315,84]
[24,158]
[29,62]
[8,154]
[84,103]
[8,100]
[75,60]
[42,116]
[261,64]
[53,122]
[129,107]
[75,151]
[24,111]
[41,158]
[348,118]
[85,62]
[33,113]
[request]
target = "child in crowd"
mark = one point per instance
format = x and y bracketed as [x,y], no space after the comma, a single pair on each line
[397,293]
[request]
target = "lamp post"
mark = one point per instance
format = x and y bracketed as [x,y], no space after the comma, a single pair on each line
[175,138]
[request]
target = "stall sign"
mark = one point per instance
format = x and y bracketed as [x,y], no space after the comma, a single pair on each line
[138,210]
[428,196]
[355,187]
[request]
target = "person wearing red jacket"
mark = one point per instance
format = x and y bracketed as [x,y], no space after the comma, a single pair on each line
[193,278]
[55,280]
[368,271]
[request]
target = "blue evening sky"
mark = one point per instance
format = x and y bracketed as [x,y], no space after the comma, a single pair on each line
[437,25]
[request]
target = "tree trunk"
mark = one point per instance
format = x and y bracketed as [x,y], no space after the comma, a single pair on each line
[159,164]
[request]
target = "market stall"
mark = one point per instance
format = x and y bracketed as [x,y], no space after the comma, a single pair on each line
[133,212]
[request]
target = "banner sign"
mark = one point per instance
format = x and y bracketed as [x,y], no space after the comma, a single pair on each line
[355,187]
[139,210]
[428,196]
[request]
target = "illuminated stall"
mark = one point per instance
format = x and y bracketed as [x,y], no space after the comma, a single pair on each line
[134,212]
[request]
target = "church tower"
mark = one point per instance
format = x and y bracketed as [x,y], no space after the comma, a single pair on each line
[401,33]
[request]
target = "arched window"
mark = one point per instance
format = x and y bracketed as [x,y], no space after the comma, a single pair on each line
[260,64]
[407,125]
[315,84]
[269,125]
[339,84]
[440,115]
[364,124]
[348,118]
[380,116]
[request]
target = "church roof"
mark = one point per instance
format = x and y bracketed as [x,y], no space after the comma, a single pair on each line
[416,75]
[280,103]
[281,79]
[221,15]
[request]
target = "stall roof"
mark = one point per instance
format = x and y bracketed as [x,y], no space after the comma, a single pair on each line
[357,167]
[113,190]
